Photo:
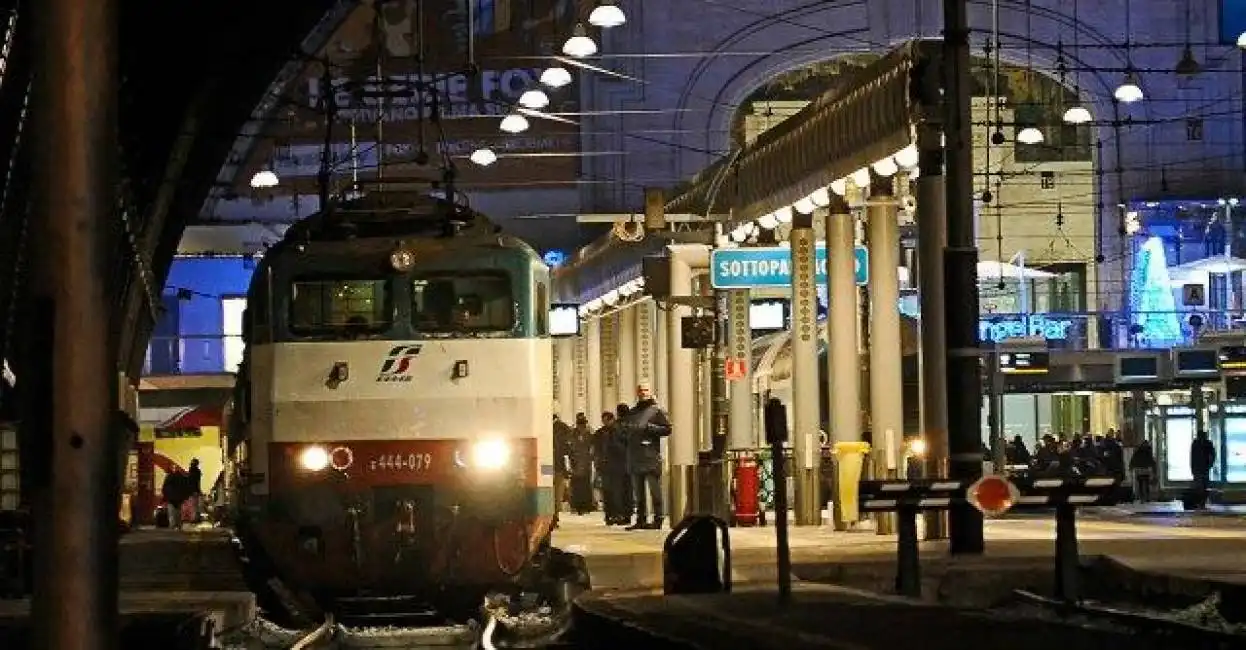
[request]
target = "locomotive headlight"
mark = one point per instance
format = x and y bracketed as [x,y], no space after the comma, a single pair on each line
[490,454]
[402,260]
[315,459]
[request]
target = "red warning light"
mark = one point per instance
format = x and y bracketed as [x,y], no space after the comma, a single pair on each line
[992,495]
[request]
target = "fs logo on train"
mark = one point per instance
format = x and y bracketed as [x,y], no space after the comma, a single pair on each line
[397,364]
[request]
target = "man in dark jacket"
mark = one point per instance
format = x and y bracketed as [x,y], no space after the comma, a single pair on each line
[645,426]
[1202,459]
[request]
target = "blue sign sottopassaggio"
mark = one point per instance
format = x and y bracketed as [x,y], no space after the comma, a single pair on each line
[752,268]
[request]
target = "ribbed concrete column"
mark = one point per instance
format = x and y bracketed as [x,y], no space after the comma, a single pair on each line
[805,421]
[579,384]
[609,374]
[564,379]
[661,370]
[886,351]
[627,356]
[592,367]
[740,431]
[843,361]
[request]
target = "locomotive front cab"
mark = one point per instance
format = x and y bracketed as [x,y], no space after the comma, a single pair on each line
[406,396]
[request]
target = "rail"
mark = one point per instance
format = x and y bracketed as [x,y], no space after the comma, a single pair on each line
[317,635]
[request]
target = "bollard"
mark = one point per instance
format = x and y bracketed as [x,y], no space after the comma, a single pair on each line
[690,557]
[1067,560]
[746,507]
[908,562]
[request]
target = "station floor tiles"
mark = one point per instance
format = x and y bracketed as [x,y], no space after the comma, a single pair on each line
[620,559]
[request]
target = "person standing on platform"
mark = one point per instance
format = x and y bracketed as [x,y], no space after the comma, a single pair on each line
[622,477]
[1202,459]
[194,476]
[1143,466]
[175,490]
[562,442]
[645,426]
[603,467]
[581,456]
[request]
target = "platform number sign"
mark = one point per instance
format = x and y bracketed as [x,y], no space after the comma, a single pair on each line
[736,369]
[1193,295]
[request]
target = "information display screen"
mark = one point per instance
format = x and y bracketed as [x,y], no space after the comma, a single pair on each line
[768,315]
[1024,363]
[1233,357]
[1196,363]
[564,320]
[1138,368]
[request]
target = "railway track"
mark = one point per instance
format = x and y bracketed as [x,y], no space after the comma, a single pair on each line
[1180,634]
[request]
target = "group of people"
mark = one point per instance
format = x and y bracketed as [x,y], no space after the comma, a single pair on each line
[182,492]
[1088,455]
[622,458]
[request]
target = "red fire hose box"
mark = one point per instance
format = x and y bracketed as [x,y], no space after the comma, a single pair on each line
[747,501]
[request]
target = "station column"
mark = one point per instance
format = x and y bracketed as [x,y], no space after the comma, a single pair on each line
[806,443]
[564,379]
[626,336]
[843,362]
[886,352]
[609,372]
[592,367]
[681,386]
[580,376]
[740,424]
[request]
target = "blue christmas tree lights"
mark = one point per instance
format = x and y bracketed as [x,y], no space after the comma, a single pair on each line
[1151,301]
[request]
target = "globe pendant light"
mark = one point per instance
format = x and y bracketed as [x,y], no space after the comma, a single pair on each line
[514,123]
[556,77]
[264,179]
[1129,91]
[536,99]
[607,15]
[1030,135]
[1077,114]
[484,157]
[579,45]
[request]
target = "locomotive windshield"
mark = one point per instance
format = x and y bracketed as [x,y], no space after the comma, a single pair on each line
[462,302]
[340,308]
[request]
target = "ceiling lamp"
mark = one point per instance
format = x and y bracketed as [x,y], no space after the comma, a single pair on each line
[907,157]
[1030,135]
[536,99]
[839,186]
[821,197]
[607,15]
[484,157]
[1188,66]
[739,235]
[514,123]
[767,221]
[886,167]
[1129,91]
[783,215]
[804,206]
[1077,114]
[264,179]
[579,45]
[555,77]
[861,177]
[1241,40]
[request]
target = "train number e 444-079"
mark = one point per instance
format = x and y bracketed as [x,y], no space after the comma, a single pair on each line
[402,462]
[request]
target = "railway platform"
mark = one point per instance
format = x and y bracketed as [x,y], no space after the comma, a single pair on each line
[193,572]
[1166,562]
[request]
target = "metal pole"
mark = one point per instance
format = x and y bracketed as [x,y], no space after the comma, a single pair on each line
[931,241]
[76,597]
[680,378]
[999,459]
[960,270]
[805,439]
[741,430]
